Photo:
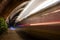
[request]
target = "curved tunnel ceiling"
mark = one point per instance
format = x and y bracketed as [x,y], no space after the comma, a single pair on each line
[17,9]
[6,6]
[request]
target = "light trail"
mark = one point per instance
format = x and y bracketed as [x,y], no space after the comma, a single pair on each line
[32,4]
[29,10]
[54,12]
[45,5]
[47,23]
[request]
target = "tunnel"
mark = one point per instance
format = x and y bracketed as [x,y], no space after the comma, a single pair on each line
[30,19]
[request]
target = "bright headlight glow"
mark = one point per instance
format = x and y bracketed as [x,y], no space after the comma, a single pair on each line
[12,28]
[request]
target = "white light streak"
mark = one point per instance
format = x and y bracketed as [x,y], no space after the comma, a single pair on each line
[45,5]
[33,4]
[33,8]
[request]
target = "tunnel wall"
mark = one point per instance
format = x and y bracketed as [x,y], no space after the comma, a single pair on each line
[38,17]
